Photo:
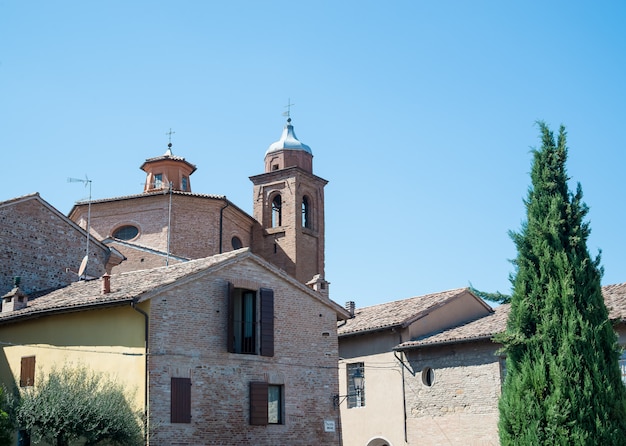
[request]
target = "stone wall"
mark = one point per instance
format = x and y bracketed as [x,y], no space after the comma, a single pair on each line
[461,405]
[38,244]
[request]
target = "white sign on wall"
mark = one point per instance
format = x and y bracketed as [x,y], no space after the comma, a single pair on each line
[329,425]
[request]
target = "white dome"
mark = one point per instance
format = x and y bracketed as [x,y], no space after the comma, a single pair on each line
[288,141]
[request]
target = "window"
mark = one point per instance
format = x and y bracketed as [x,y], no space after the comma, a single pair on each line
[266,404]
[428,376]
[184,184]
[356,397]
[251,321]
[180,409]
[277,211]
[622,366]
[236,242]
[158,181]
[127,232]
[27,372]
[306,213]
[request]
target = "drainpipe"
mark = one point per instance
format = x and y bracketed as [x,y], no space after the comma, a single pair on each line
[395,353]
[133,304]
[222,223]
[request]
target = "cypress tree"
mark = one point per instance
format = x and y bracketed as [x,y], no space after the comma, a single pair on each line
[563,383]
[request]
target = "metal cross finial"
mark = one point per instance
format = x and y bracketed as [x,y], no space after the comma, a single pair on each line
[169,135]
[288,106]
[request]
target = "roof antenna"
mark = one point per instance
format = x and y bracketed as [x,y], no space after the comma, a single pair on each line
[83,264]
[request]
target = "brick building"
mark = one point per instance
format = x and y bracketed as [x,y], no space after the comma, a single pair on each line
[220,321]
[30,230]
[168,222]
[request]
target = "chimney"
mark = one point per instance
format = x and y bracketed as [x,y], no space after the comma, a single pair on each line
[106,283]
[350,307]
[317,283]
[14,299]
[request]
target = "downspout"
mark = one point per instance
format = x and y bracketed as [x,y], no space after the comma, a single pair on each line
[133,304]
[222,223]
[395,353]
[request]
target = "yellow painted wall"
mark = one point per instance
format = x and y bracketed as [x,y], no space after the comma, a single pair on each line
[109,340]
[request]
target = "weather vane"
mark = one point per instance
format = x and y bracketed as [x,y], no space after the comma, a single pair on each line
[288,106]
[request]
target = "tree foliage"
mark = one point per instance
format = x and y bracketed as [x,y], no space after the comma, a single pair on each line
[73,404]
[6,425]
[563,384]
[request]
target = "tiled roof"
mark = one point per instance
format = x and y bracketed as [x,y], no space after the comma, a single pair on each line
[140,285]
[124,288]
[487,326]
[397,313]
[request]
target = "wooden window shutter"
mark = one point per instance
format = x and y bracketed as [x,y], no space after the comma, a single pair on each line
[230,333]
[267,322]
[27,372]
[258,403]
[180,411]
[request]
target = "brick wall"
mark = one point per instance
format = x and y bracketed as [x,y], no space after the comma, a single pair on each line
[38,244]
[461,407]
[188,325]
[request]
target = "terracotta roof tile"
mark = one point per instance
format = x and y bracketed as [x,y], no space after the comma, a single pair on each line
[124,288]
[487,326]
[397,313]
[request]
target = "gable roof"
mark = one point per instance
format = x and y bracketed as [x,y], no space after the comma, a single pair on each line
[488,326]
[139,286]
[400,313]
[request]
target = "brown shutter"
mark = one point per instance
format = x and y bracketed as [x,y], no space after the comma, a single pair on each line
[267,322]
[230,333]
[27,372]
[258,403]
[180,400]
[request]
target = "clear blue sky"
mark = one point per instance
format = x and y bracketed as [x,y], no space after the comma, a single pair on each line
[420,114]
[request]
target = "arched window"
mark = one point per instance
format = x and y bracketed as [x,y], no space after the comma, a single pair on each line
[277,211]
[306,213]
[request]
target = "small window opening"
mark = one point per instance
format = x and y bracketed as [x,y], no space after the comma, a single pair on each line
[428,376]
[184,184]
[158,181]
[275,167]
[127,232]
[236,242]
[306,213]
[277,211]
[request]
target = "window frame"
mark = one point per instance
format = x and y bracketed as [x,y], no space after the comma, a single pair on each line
[307,221]
[260,413]
[261,341]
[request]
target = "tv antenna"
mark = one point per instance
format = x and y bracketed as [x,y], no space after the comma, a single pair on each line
[83,263]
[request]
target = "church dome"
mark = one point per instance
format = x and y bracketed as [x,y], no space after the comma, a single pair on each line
[288,141]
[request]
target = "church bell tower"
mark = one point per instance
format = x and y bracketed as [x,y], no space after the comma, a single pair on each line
[289,205]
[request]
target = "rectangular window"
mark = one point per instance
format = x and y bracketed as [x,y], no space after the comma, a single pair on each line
[356,396]
[184,184]
[180,409]
[250,321]
[27,372]
[266,404]
[622,366]
[158,181]
[275,404]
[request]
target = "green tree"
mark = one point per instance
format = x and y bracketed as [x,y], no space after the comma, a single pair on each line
[73,404]
[563,384]
[6,425]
